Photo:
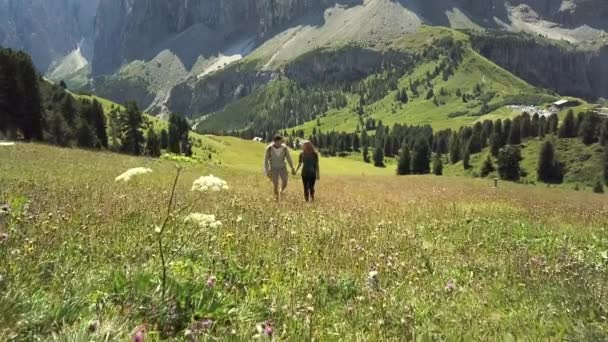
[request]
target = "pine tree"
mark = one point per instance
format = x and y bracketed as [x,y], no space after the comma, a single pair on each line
[455,148]
[164,139]
[549,168]
[152,148]
[568,128]
[509,159]
[85,135]
[114,129]
[69,111]
[356,143]
[466,158]
[605,162]
[515,132]
[552,124]
[404,166]
[437,165]
[526,126]
[4,107]
[542,127]
[178,132]
[588,129]
[495,144]
[535,125]
[487,167]
[421,157]
[99,124]
[598,188]
[58,130]
[506,131]
[379,156]
[366,154]
[131,123]
[31,116]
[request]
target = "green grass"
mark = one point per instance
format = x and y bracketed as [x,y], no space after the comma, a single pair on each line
[525,262]
[583,163]
[474,70]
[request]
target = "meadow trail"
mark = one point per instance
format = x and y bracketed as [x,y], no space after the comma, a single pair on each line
[375,258]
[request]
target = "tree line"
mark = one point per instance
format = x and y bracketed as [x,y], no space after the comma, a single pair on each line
[32,109]
[420,150]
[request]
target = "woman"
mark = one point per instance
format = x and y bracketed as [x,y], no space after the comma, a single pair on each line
[309,161]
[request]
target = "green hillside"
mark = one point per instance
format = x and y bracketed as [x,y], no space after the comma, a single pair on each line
[583,163]
[466,88]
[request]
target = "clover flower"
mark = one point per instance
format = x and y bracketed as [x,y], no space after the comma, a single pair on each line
[211,281]
[450,286]
[209,183]
[203,221]
[130,173]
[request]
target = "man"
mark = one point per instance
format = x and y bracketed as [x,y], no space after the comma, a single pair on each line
[274,164]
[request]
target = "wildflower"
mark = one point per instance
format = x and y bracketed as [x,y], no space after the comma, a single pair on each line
[309,297]
[5,209]
[201,326]
[211,281]
[268,329]
[94,326]
[203,221]
[264,329]
[138,337]
[130,173]
[209,183]
[450,286]
[373,281]
[239,219]
[157,229]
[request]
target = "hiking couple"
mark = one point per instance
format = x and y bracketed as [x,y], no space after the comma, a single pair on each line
[275,167]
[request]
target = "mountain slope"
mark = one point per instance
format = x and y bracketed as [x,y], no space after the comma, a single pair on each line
[200,41]
[448,85]
[48,30]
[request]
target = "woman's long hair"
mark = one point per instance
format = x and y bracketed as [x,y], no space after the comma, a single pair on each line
[308,148]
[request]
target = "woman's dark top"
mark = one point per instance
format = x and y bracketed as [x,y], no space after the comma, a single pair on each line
[310,162]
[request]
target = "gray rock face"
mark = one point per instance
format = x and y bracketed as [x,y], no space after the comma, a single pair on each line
[138,29]
[47,29]
[566,70]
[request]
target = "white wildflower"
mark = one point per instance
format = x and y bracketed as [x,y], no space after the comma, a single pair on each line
[130,173]
[373,281]
[209,183]
[7,143]
[203,221]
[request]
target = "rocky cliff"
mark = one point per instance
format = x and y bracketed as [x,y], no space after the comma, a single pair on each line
[543,63]
[47,29]
[139,29]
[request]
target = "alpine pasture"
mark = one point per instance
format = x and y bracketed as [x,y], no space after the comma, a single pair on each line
[377,257]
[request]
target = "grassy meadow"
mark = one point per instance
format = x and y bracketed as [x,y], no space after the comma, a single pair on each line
[375,258]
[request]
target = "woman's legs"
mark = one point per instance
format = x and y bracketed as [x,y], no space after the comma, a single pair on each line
[306,189]
[309,188]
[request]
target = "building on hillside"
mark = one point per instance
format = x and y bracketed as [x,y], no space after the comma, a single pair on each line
[258,139]
[563,103]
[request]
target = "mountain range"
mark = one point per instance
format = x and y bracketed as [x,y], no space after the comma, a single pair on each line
[197,57]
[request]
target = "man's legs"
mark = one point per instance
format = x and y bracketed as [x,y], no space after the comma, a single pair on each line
[275,183]
[284,179]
